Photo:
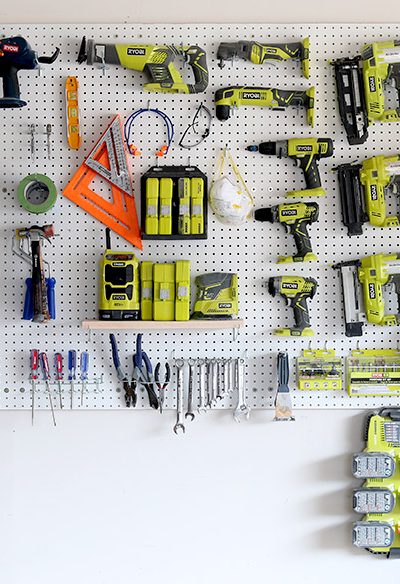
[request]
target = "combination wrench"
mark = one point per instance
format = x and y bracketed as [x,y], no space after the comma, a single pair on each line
[242,409]
[190,414]
[179,365]
[202,386]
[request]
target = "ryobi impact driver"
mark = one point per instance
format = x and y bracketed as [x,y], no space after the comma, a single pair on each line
[306,152]
[295,217]
[157,62]
[229,98]
[295,291]
[16,54]
[260,53]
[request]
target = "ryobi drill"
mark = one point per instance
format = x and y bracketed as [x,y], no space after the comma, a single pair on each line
[157,62]
[295,290]
[306,152]
[16,54]
[260,53]
[295,217]
[229,98]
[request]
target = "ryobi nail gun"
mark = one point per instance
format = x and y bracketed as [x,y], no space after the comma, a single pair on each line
[229,98]
[16,54]
[295,217]
[260,53]
[157,62]
[363,283]
[306,152]
[363,188]
[360,86]
[295,290]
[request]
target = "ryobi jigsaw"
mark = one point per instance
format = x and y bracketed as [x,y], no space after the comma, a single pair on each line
[361,82]
[260,53]
[229,98]
[157,62]
[363,188]
[363,283]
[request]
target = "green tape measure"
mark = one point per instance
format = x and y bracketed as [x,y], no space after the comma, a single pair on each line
[37,193]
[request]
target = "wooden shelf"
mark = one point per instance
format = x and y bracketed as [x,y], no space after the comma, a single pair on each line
[163,325]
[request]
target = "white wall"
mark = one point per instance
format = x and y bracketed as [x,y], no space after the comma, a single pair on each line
[115,497]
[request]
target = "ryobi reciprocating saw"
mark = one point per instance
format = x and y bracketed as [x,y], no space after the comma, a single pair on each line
[156,61]
[305,152]
[260,53]
[229,98]
[363,283]
[363,189]
[361,82]
[295,290]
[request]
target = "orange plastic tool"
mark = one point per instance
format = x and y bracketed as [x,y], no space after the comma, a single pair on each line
[72,110]
[108,160]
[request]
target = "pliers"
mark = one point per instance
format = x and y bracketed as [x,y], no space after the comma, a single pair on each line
[162,385]
[129,385]
[143,372]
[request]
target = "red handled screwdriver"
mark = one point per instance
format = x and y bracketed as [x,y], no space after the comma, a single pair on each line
[58,364]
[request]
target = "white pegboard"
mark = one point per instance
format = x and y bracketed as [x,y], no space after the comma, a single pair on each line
[250,250]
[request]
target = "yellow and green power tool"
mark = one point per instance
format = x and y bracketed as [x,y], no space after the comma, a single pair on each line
[295,217]
[295,290]
[229,98]
[363,189]
[156,61]
[217,296]
[119,285]
[363,283]
[305,152]
[377,499]
[360,83]
[259,53]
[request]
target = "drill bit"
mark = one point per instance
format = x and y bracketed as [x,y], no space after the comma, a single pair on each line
[34,364]
[44,363]
[58,363]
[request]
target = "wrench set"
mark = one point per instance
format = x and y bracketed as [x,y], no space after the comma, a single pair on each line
[208,381]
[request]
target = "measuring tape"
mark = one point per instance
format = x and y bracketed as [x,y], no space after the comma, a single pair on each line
[37,193]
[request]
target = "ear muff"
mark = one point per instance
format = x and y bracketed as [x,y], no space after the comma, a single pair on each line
[128,131]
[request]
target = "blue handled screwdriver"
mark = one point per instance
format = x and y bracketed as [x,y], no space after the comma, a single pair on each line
[72,373]
[84,367]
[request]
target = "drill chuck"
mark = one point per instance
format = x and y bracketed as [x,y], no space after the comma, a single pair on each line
[273,286]
[268,148]
[265,214]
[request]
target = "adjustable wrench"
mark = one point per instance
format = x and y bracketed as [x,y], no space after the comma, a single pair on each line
[179,365]
[202,386]
[189,413]
[242,410]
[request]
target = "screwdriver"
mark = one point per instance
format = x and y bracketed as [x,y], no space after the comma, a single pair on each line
[44,363]
[84,367]
[58,364]
[72,373]
[34,363]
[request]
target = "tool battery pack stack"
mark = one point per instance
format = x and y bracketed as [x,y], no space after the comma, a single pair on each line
[165,291]
[174,203]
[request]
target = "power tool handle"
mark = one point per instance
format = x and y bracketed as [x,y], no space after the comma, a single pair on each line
[301,238]
[311,171]
[10,83]
[197,59]
[301,316]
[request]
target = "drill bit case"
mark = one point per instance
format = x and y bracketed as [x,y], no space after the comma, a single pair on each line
[174,203]
[319,369]
[373,372]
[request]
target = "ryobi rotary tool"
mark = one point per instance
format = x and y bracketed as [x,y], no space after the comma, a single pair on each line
[157,62]
[217,296]
[363,189]
[229,98]
[360,83]
[305,152]
[295,217]
[295,290]
[16,54]
[363,283]
[260,53]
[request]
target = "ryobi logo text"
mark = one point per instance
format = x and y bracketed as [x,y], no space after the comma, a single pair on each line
[288,212]
[224,305]
[372,84]
[304,148]
[118,264]
[371,291]
[374,192]
[10,48]
[290,285]
[251,95]
[118,296]
[138,51]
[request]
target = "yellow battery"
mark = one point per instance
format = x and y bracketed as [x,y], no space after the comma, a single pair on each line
[146,295]
[164,292]
[184,206]
[151,223]
[182,290]
[197,206]
[165,214]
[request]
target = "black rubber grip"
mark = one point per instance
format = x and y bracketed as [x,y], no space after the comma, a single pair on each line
[10,84]
[301,238]
[301,316]
[198,62]
[223,112]
[311,172]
